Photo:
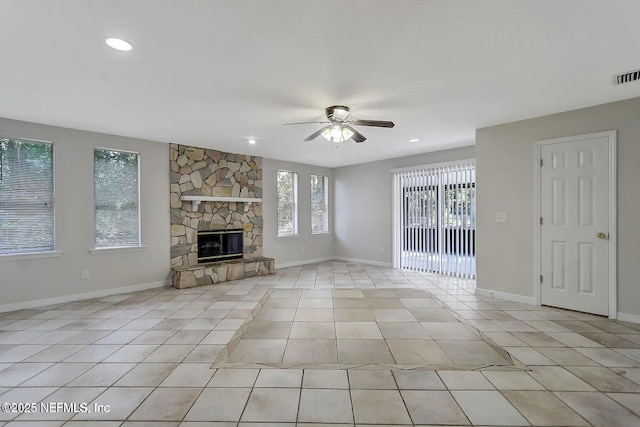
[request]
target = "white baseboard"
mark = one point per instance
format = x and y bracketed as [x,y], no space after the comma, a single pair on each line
[303,262]
[363,261]
[506,296]
[78,297]
[627,317]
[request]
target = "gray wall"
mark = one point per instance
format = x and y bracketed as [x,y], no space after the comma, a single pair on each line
[363,204]
[505,183]
[35,279]
[295,250]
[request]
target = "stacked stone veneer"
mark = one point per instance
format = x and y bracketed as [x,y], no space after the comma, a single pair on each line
[204,172]
[216,272]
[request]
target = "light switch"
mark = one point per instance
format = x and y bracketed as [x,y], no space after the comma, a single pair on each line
[501,217]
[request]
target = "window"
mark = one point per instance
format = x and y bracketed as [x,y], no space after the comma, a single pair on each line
[459,208]
[117,198]
[26,196]
[287,189]
[319,204]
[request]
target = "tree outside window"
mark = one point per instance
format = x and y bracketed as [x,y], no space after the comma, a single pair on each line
[319,204]
[117,207]
[287,193]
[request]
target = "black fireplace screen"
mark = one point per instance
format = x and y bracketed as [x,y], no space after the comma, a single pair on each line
[219,245]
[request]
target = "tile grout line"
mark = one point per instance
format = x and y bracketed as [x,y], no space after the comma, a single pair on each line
[300,397]
[406,408]
[353,409]
[253,386]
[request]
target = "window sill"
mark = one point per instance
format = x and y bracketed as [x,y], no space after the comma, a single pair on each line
[30,255]
[103,251]
[320,234]
[288,236]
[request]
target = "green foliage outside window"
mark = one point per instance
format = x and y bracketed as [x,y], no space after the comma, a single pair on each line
[117,210]
[287,193]
[319,204]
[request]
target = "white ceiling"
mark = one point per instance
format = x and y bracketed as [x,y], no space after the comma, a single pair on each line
[215,73]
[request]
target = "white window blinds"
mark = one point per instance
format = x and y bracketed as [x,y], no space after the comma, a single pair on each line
[436,219]
[26,196]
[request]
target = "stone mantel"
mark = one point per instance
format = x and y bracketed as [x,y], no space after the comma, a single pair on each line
[196,200]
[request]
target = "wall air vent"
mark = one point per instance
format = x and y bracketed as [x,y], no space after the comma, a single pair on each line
[629,77]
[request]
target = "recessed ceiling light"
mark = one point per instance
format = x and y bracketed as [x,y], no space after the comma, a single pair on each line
[414,140]
[252,141]
[118,44]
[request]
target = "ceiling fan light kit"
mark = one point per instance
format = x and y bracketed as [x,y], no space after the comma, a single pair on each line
[339,128]
[336,133]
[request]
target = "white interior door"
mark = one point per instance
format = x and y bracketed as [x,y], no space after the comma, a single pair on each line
[575,209]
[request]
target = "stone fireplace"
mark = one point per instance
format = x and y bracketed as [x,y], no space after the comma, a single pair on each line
[209,190]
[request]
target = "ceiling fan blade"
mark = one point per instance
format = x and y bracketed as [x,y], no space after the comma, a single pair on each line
[316,134]
[357,136]
[376,123]
[304,123]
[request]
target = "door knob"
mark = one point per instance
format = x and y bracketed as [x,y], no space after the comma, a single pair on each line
[601,235]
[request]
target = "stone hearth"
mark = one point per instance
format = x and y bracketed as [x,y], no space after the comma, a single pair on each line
[222,271]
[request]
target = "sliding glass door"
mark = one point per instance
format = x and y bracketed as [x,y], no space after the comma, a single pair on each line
[435,219]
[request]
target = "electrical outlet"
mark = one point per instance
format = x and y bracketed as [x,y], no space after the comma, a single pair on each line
[501,217]
[84,275]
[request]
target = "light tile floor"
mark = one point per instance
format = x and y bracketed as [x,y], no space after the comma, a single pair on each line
[330,343]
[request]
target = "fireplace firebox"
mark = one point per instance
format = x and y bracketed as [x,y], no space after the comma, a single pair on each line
[219,245]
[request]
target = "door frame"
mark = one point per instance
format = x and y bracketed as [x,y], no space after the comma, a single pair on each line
[611,135]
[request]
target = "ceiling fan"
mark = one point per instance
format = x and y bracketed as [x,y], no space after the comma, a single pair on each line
[340,128]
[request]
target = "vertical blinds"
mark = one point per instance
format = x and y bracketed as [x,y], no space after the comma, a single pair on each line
[435,215]
[26,196]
